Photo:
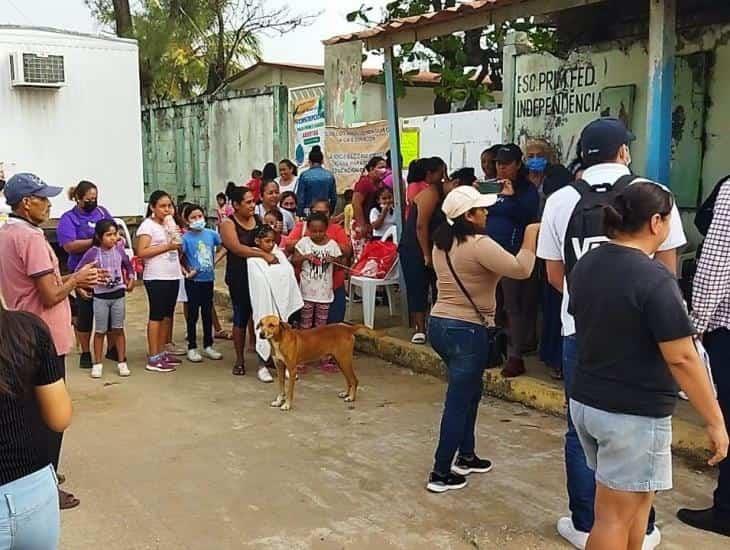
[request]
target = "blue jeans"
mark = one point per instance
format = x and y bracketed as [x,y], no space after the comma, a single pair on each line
[580,478]
[29,515]
[337,307]
[464,348]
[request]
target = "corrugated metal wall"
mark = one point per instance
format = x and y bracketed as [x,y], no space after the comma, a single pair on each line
[192,149]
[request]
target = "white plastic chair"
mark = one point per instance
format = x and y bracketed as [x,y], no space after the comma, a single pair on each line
[369,286]
[127,237]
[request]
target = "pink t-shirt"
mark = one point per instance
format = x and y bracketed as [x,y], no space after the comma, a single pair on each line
[26,255]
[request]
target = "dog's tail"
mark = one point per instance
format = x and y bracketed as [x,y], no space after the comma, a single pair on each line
[363,330]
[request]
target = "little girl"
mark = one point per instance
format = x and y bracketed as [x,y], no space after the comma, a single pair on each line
[382,217]
[315,255]
[158,243]
[275,220]
[109,298]
[224,209]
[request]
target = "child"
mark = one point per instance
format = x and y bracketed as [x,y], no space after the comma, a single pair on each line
[199,253]
[347,213]
[108,252]
[273,288]
[158,243]
[315,254]
[224,209]
[288,202]
[275,220]
[381,216]
[254,184]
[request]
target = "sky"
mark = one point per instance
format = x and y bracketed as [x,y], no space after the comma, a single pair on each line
[300,46]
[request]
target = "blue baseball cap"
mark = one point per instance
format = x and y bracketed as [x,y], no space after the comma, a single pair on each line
[602,138]
[24,185]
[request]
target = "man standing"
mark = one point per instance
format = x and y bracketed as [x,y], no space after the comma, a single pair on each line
[606,157]
[711,316]
[316,183]
[30,279]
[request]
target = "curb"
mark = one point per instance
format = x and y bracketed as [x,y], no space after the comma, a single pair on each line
[688,440]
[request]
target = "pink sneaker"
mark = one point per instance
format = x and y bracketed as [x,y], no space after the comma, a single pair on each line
[159,365]
[170,359]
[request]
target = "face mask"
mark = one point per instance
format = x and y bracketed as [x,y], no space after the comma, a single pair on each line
[536,164]
[89,206]
[197,225]
[380,172]
[290,209]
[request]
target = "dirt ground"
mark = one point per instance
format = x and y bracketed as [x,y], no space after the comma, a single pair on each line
[198,459]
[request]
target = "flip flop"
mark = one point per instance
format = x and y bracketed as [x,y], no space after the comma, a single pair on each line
[238,370]
[224,335]
[66,501]
[418,338]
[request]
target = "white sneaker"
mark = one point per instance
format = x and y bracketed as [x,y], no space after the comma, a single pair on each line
[418,338]
[652,540]
[194,356]
[96,370]
[264,375]
[211,353]
[567,530]
[123,369]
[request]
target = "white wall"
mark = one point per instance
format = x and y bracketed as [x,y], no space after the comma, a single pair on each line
[89,129]
[458,138]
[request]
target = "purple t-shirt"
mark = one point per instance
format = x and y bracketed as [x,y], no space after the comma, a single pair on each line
[115,262]
[77,225]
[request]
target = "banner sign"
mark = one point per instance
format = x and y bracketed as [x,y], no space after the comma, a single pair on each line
[348,150]
[309,127]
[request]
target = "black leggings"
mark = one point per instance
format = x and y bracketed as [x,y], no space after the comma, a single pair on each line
[200,301]
[84,313]
[162,297]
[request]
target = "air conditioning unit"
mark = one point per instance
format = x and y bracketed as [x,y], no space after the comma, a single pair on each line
[37,70]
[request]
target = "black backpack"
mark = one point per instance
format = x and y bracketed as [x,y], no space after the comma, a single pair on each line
[703,218]
[585,228]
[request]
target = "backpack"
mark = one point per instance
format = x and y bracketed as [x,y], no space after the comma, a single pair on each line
[585,228]
[703,218]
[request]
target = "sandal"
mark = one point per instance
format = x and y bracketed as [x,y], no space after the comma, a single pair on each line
[223,335]
[66,501]
[418,338]
[239,370]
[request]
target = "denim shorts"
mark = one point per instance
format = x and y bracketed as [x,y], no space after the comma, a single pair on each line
[627,452]
[109,314]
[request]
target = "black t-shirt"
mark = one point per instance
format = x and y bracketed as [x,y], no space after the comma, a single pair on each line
[22,430]
[624,303]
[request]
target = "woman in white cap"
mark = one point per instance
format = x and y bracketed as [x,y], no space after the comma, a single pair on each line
[468,265]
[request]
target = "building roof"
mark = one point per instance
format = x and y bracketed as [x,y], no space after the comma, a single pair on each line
[423,78]
[53,30]
[415,21]
[467,15]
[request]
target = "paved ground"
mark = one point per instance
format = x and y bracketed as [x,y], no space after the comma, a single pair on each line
[197,459]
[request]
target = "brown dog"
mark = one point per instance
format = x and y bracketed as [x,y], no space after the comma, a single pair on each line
[291,347]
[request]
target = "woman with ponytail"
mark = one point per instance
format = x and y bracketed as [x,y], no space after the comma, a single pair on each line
[635,344]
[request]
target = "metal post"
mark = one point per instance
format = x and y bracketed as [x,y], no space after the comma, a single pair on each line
[391,107]
[662,47]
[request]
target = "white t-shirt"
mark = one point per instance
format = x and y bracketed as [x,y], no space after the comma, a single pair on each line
[288,219]
[291,186]
[558,209]
[165,266]
[316,280]
[388,222]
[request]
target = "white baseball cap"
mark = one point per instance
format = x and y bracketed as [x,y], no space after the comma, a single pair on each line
[462,199]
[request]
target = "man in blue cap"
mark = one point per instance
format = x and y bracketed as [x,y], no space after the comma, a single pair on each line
[30,279]
[604,150]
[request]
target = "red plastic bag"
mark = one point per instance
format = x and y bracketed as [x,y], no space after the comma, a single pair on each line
[376,260]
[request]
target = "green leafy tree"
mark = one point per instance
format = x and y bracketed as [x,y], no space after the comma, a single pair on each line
[189,47]
[469,63]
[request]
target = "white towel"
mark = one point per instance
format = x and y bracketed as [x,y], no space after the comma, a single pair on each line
[274,291]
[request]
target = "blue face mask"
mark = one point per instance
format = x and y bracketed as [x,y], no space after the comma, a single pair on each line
[197,225]
[536,164]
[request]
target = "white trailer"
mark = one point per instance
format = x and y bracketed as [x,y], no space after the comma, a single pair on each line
[70,110]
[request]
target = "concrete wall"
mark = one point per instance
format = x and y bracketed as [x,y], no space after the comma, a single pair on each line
[417,102]
[619,64]
[88,129]
[192,149]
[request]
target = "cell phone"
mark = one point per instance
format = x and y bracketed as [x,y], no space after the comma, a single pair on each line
[490,186]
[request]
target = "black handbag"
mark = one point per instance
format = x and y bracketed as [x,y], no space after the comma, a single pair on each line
[497,337]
